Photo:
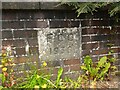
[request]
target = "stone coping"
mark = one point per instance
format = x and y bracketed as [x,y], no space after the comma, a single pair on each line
[35,5]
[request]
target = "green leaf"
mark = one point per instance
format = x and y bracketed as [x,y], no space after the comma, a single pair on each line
[112,59]
[88,62]
[104,70]
[2,77]
[102,61]
[83,67]
[113,67]
[60,71]
[94,72]
[1,87]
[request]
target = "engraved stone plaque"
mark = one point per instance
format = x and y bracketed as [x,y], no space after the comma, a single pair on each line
[55,44]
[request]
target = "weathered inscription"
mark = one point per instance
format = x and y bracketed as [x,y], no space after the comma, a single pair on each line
[59,44]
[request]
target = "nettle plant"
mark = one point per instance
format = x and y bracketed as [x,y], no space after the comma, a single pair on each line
[100,70]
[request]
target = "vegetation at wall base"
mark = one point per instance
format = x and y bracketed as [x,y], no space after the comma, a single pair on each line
[93,73]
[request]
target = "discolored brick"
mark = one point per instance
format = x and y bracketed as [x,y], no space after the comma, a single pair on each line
[72,61]
[7,34]
[100,38]
[75,68]
[33,42]
[90,31]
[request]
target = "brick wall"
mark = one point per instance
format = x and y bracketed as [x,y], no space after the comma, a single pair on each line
[21,27]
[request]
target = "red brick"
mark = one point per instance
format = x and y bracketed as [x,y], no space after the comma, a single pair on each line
[94,59]
[31,33]
[9,15]
[20,51]
[19,43]
[7,34]
[44,70]
[85,38]
[24,59]
[55,70]
[36,24]
[19,60]
[66,69]
[85,52]
[89,46]
[116,50]
[33,42]
[54,63]
[61,24]
[103,45]
[53,77]
[103,51]
[25,33]
[90,31]
[95,52]
[7,42]
[5,24]
[19,33]
[16,24]
[41,24]
[73,76]
[75,68]
[95,23]
[72,61]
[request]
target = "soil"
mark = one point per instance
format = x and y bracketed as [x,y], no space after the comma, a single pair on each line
[111,84]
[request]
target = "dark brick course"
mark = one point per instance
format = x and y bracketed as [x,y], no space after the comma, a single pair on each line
[25,33]
[95,23]
[62,24]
